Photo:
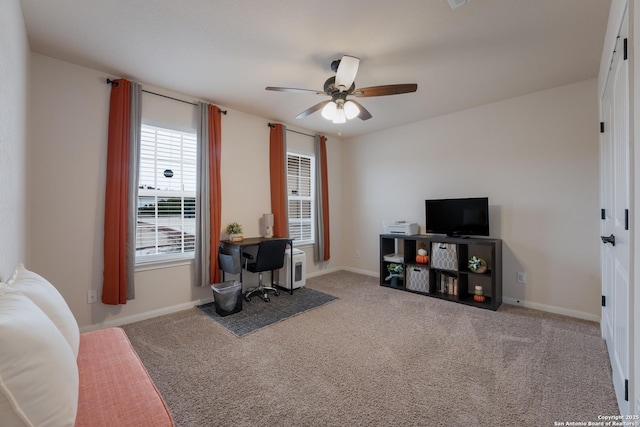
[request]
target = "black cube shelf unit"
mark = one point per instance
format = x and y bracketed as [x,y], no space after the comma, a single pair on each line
[451,282]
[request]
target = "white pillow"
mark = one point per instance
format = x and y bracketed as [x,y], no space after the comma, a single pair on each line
[47,297]
[38,371]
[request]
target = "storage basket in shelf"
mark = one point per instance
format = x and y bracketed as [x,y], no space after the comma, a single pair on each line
[444,256]
[418,279]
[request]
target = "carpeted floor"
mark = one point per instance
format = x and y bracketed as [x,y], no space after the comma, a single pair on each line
[380,357]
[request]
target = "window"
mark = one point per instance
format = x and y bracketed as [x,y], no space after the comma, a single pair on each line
[166,223]
[301,196]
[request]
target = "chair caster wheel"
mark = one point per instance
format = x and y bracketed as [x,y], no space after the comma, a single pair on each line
[247,299]
[277,294]
[267,300]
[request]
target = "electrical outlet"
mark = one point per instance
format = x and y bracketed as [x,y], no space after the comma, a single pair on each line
[92,296]
[522,277]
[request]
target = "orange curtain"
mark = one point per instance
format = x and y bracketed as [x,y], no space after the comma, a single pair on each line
[215,189]
[114,285]
[325,198]
[277,168]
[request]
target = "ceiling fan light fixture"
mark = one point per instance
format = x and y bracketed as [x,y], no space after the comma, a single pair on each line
[338,109]
[329,111]
[340,117]
[351,110]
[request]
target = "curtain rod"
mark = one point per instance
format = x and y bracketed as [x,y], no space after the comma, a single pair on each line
[116,84]
[291,130]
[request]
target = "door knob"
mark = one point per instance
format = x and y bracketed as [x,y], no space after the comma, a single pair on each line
[611,239]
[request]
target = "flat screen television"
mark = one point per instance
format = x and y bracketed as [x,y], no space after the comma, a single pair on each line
[458,217]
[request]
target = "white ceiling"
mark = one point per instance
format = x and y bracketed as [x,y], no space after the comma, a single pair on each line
[228,51]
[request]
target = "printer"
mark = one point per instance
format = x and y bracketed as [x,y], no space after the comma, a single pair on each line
[402,228]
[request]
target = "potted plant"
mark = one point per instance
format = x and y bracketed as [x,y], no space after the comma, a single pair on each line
[477,265]
[396,273]
[234,230]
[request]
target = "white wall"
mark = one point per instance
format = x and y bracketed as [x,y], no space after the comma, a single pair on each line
[67,155]
[14,72]
[535,157]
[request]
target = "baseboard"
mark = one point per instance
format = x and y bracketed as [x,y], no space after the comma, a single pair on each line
[172,309]
[511,301]
[144,316]
[336,269]
[552,309]
[359,271]
[323,272]
[185,306]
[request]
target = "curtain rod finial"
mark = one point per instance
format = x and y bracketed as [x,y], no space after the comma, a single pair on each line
[113,82]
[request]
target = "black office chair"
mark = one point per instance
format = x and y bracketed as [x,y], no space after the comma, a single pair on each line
[270,256]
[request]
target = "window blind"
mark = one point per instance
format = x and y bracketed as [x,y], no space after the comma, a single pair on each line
[300,184]
[166,194]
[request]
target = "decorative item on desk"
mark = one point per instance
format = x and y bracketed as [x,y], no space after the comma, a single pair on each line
[268,224]
[477,265]
[234,230]
[396,272]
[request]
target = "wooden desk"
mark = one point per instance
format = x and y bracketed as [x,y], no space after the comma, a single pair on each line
[235,249]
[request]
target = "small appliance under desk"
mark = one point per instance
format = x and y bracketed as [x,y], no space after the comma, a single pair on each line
[229,247]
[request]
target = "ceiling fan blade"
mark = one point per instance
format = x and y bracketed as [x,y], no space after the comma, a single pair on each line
[386,90]
[364,113]
[347,71]
[294,90]
[312,109]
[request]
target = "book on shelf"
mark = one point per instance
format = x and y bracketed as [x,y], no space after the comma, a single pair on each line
[446,283]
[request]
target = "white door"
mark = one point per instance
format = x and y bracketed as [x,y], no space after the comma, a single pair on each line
[615,199]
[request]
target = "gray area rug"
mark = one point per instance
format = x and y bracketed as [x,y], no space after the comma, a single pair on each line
[258,314]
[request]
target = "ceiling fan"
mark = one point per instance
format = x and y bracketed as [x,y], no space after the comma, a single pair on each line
[339,109]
